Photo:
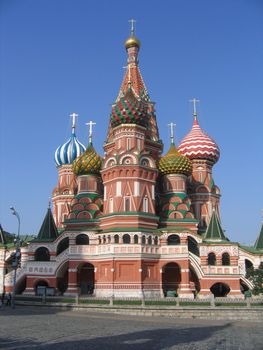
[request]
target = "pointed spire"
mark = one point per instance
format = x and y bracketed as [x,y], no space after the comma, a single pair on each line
[259,242]
[48,230]
[2,236]
[214,230]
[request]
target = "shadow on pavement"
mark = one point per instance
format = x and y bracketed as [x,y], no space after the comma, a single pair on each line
[156,339]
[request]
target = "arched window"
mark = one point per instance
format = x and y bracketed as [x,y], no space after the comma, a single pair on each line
[150,240]
[135,239]
[63,245]
[109,239]
[42,254]
[126,239]
[104,239]
[211,259]
[145,205]
[173,240]
[116,239]
[249,266]
[226,259]
[99,240]
[82,239]
[193,246]
[156,240]
[143,240]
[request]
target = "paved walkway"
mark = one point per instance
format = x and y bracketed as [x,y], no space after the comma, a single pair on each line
[50,328]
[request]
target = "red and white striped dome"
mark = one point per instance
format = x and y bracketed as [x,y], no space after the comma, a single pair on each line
[198,145]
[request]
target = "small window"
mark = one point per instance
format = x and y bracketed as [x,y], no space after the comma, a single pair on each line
[143,240]
[127,204]
[82,239]
[226,259]
[128,144]
[150,240]
[126,239]
[116,239]
[145,205]
[173,240]
[156,240]
[135,239]
[211,259]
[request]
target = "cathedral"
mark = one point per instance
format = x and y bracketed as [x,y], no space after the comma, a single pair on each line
[135,222]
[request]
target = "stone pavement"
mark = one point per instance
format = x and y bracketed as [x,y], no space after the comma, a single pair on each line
[51,328]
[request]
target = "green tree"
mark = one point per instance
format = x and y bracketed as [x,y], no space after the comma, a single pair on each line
[256,277]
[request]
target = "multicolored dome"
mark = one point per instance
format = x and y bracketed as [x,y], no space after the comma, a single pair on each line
[129,110]
[198,145]
[175,163]
[88,163]
[66,153]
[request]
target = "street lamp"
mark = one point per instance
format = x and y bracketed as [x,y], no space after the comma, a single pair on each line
[17,255]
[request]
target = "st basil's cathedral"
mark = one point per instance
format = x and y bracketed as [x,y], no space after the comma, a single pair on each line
[135,222]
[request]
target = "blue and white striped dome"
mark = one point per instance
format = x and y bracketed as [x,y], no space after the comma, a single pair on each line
[69,151]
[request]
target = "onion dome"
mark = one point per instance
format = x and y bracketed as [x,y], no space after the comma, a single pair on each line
[88,163]
[175,163]
[129,110]
[198,145]
[73,148]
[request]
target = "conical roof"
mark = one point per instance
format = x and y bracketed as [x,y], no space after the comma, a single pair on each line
[214,230]
[259,241]
[48,230]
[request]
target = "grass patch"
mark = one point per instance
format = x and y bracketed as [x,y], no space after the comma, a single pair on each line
[230,304]
[160,303]
[257,305]
[94,301]
[189,303]
[127,302]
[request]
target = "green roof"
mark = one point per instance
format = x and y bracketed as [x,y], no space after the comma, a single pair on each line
[214,230]
[259,241]
[48,230]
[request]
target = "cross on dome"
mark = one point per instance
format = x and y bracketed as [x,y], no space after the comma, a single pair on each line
[172,127]
[194,100]
[132,21]
[90,124]
[74,117]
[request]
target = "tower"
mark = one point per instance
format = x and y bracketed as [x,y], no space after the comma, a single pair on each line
[204,153]
[64,192]
[132,150]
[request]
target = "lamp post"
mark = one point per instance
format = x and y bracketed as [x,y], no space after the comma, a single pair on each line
[17,255]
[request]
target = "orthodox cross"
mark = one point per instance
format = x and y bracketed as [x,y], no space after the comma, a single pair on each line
[172,126]
[194,100]
[74,117]
[132,21]
[90,124]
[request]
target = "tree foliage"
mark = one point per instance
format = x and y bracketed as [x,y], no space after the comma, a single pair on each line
[256,277]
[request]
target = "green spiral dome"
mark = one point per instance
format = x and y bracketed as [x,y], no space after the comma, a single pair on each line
[129,110]
[88,163]
[175,163]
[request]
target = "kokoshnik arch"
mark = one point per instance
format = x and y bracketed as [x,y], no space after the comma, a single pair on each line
[135,222]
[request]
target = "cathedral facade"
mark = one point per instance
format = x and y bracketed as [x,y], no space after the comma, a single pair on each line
[135,222]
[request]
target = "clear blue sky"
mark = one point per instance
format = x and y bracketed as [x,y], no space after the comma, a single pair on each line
[59,57]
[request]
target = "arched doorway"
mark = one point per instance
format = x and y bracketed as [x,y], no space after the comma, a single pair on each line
[171,278]
[40,287]
[243,287]
[86,278]
[220,289]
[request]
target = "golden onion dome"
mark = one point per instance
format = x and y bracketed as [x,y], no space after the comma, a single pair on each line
[88,163]
[175,163]
[132,42]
